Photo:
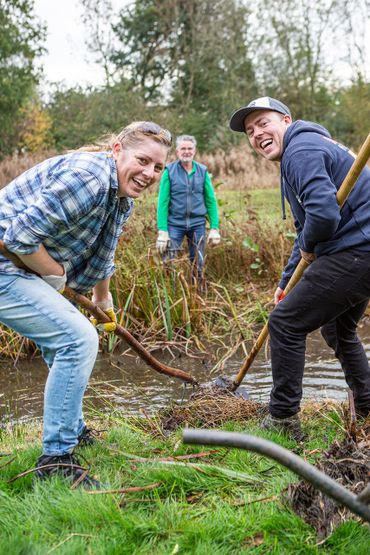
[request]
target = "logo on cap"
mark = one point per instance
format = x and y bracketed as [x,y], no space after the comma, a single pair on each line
[263,102]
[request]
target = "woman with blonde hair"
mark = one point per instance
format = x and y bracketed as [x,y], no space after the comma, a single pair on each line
[63,219]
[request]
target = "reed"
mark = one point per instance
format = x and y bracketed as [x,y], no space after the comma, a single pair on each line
[12,166]
[159,304]
[237,168]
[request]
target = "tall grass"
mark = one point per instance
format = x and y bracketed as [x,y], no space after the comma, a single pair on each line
[12,166]
[237,168]
[162,304]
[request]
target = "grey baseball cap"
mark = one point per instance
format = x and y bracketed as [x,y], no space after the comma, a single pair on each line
[263,103]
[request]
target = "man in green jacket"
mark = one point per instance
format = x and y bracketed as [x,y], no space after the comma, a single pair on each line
[186,196]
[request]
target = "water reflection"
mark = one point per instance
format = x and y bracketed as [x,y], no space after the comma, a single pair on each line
[127,383]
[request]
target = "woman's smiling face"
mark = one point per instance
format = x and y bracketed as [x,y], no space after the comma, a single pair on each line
[138,166]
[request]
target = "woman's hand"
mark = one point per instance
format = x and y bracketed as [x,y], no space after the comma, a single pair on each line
[102,298]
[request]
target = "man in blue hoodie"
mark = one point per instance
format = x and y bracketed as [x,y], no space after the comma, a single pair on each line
[335,289]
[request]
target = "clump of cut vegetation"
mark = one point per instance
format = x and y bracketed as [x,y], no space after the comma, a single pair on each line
[347,462]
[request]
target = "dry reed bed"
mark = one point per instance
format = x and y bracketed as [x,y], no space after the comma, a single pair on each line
[157,305]
[238,167]
[12,166]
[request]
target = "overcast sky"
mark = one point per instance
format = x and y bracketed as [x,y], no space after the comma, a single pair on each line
[67,58]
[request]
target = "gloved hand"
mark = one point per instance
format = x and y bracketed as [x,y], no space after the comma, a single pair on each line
[56,282]
[214,237]
[163,241]
[278,295]
[107,307]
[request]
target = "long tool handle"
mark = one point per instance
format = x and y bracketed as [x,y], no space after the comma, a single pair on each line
[342,194]
[358,504]
[99,314]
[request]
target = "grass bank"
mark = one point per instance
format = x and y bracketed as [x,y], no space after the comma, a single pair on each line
[222,501]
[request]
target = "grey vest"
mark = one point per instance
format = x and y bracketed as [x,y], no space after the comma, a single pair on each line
[187,207]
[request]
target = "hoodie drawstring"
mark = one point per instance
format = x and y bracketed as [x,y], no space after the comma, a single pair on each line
[282,197]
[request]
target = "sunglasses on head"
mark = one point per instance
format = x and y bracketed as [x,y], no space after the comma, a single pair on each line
[149,128]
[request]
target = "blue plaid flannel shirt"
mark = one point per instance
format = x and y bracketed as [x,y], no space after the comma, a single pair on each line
[69,204]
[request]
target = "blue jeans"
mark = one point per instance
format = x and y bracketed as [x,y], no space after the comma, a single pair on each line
[196,237]
[69,345]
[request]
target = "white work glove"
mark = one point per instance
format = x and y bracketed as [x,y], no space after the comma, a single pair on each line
[163,241]
[214,237]
[107,307]
[56,282]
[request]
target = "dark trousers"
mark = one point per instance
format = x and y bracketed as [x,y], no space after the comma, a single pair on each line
[332,295]
[196,238]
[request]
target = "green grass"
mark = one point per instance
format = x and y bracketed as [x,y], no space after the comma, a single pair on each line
[193,510]
[235,204]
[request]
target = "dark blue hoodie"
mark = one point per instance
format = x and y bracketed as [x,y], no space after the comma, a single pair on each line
[313,167]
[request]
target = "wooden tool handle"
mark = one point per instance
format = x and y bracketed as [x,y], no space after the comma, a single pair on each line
[342,195]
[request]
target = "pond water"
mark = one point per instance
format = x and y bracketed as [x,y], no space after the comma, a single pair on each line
[127,383]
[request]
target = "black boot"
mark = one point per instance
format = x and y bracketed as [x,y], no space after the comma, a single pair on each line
[66,466]
[291,426]
[87,437]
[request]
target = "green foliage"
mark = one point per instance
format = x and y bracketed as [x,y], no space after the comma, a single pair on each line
[189,65]
[81,116]
[294,55]
[163,48]
[144,31]
[20,44]
[352,107]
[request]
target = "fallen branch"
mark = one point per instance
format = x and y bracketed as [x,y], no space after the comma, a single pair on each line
[100,315]
[8,462]
[132,489]
[189,457]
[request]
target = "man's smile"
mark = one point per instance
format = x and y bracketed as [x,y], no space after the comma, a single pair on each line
[265,143]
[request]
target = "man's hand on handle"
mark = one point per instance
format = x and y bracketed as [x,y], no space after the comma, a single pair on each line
[278,295]
[308,256]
